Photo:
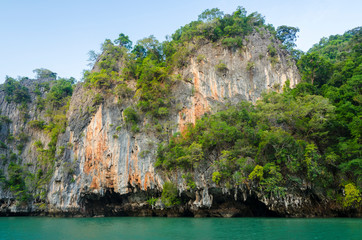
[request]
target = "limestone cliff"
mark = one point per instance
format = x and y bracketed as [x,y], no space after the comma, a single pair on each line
[102,167]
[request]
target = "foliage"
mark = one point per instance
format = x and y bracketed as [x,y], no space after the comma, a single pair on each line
[152,201]
[315,68]
[24,184]
[287,35]
[109,66]
[98,99]
[210,14]
[153,87]
[37,124]
[332,69]
[283,134]
[15,182]
[131,117]
[311,132]
[123,90]
[15,92]
[169,195]
[123,41]
[189,181]
[216,177]
[59,92]
[257,173]
[352,195]
[93,57]
[3,145]
[221,67]
[151,63]
[272,54]
[250,66]
[214,26]
[44,73]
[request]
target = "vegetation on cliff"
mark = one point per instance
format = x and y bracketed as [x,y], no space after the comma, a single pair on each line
[52,102]
[306,137]
[152,64]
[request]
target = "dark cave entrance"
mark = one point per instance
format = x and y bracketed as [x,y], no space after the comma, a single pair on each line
[135,204]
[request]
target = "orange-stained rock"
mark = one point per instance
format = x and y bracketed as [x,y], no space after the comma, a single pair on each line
[134,173]
[98,163]
[148,179]
[189,115]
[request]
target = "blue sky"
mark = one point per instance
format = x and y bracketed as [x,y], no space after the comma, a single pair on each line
[58,34]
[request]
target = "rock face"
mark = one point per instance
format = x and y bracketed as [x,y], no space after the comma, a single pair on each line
[217,74]
[107,169]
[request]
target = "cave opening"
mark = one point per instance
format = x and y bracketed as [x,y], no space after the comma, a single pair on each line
[111,203]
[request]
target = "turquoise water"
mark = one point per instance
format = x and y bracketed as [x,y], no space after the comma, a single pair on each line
[178,228]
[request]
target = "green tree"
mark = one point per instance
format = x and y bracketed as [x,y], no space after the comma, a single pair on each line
[15,91]
[139,51]
[59,91]
[210,14]
[352,195]
[93,56]
[315,68]
[257,173]
[123,41]
[44,73]
[287,35]
[169,195]
[151,46]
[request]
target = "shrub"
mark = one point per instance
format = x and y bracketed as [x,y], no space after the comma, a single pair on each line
[169,195]
[40,103]
[10,138]
[38,144]
[98,99]
[44,73]
[271,50]
[123,90]
[3,145]
[233,42]
[135,128]
[130,116]
[221,67]
[216,177]
[15,92]
[37,124]
[257,173]
[250,66]
[97,79]
[352,195]
[16,183]
[152,201]
[189,181]
[162,112]
[273,56]
[59,91]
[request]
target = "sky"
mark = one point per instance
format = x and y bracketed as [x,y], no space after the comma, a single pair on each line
[58,34]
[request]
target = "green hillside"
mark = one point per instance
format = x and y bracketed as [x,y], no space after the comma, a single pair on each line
[307,137]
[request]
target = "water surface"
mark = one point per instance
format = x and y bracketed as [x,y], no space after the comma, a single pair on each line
[178,228]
